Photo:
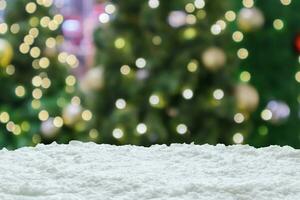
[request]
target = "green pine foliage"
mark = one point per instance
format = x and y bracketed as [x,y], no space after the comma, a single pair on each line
[156,110]
[35,79]
[273,63]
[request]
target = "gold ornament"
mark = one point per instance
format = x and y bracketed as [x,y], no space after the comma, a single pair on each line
[72,114]
[93,80]
[247,97]
[250,19]
[213,58]
[6,53]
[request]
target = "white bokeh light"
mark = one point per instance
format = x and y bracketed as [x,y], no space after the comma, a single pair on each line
[141,128]
[181,129]
[153,3]
[120,103]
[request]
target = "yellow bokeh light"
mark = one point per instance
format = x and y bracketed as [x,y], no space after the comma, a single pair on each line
[266,114]
[34,32]
[4,117]
[125,70]
[46,83]
[245,76]
[44,62]
[243,53]
[45,21]
[37,93]
[36,81]
[189,7]
[28,39]
[10,69]
[286,2]
[24,48]
[20,91]
[30,7]
[3,28]
[297,76]
[58,122]
[237,36]
[248,3]
[43,115]
[36,104]
[230,15]
[58,18]
[35,52]
[50,42]
[70,80]
[86,115]
[120,43]
[15,28]
[192,66]
[278,24]
[2,4]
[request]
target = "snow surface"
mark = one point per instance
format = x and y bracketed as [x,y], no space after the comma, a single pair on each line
[180,172]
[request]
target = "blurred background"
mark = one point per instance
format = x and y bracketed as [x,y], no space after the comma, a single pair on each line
[150,72]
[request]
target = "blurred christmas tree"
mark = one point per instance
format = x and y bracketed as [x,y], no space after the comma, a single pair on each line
[35,80]
[267,34]
[165,74]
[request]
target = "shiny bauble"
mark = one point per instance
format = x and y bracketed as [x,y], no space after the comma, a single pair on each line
[6,53]
[93,80]
[72,114]
[247,97]
[214,58]
[250,19]
[48,129]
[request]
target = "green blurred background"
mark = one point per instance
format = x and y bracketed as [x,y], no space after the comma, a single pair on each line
[149,72]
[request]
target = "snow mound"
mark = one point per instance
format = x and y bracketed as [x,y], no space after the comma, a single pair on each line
[87,171]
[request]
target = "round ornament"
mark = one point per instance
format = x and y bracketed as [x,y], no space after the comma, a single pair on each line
[93,80]
[247,97]
[297,43]
[280,111]
[6,53]
[214,58]
[48,129]
[72,114]
[250,19]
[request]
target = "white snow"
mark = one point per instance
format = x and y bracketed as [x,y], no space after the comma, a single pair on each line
[179,172]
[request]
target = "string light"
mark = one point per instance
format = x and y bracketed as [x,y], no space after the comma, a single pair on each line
[86,115]
[43,115]
[245,76]
[248,3]
[93,134]
[20,91]
[118,133]
[104,18]
[140,63]
[141,128]
[278,24]
[187,93]
[4,117]
[30,7]
[238,138]
[266,114]
[181,129]
[154,100]
[120,103]
[230,16]
[218,94]
[153,3]
[3,28]
[237,36]
[110,8]
[192,66]
[286,2]
[242,53]
[199,4]
[239,118]
[125,69]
